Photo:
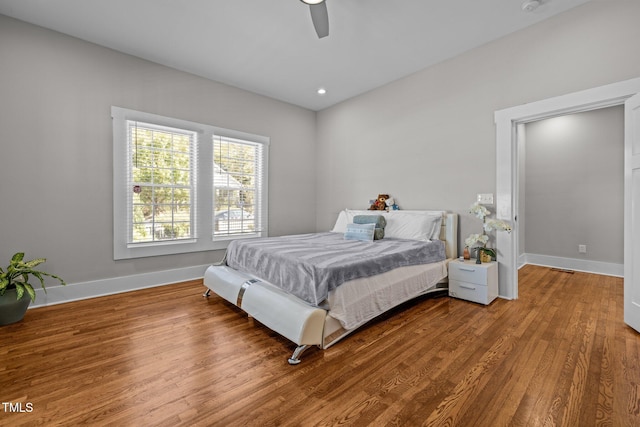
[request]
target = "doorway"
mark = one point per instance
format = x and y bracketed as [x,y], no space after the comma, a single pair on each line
[507,123]
[570,192]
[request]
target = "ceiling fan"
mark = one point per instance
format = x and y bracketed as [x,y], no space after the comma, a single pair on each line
[319,16]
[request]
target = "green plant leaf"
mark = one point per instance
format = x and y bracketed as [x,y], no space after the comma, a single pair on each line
[34,262]
[39,276]
[53,276]
[17,257]
[17,275]
[30,291]
[19,290]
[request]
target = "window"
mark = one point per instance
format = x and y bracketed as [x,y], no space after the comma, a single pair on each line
[182,187]
[236,184]
[161,182]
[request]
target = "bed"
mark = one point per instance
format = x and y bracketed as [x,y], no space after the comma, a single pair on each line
[251,275]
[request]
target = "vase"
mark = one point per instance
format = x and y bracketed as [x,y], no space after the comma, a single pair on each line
[12,310]
[466,254]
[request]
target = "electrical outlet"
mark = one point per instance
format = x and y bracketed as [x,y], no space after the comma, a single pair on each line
[582,249]
[485,199]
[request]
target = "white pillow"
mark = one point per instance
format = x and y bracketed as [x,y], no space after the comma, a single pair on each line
[341,223]
[417,225]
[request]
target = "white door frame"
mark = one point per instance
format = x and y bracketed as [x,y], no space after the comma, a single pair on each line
[631,217]
[507,121]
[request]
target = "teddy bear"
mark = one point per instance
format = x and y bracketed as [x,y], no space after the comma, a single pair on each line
[380,204]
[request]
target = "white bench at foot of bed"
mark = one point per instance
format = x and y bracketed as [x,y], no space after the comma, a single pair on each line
[269,305]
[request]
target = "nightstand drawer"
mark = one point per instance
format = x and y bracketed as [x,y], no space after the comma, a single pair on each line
[468,272]
[469,291]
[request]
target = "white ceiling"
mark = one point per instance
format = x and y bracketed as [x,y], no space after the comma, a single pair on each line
[270,47]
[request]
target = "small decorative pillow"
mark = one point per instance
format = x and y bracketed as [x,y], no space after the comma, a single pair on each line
[360,232]
[378,220]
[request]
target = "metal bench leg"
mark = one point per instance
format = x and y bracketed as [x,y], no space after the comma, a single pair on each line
[295,358]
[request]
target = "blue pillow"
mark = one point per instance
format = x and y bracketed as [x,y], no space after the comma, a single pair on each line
[360,232]
[378,220]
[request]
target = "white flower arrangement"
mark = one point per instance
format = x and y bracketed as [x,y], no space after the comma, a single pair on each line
[488,225]
[496,224]
[478,210]
[476,238]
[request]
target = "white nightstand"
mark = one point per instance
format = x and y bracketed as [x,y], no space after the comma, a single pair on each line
[473,282]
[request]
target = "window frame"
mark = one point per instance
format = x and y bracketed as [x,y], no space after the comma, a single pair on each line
[203,194]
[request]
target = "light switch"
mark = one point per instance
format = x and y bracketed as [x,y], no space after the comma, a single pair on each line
[485,199]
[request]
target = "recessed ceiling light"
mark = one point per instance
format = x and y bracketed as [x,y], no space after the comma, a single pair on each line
[312,1]
[322,91]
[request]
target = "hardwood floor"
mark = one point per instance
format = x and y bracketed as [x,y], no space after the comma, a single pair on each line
[559,355]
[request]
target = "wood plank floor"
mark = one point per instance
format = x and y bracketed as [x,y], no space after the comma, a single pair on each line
[560,355]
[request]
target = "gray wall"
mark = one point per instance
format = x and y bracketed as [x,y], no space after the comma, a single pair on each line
[56,93]
[429,139]
[574,172]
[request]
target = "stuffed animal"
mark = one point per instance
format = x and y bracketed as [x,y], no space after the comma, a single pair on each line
[380,204]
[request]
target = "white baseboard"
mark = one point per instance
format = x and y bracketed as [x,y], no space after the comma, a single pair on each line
[596,267]
[522,260]
[97,288]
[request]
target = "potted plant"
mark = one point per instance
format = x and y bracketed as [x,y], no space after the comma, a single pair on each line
[16,293]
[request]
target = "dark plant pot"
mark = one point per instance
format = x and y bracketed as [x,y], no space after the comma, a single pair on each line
[12,310]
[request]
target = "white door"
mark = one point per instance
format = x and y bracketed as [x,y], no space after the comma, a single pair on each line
[632,213]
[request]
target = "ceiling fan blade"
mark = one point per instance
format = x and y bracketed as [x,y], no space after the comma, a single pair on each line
[320,18]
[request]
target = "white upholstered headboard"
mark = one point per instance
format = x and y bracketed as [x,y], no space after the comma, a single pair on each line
[449,234]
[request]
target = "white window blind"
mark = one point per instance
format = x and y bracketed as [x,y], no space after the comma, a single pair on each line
[161,183]
[237,184]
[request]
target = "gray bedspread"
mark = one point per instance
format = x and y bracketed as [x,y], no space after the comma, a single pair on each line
[310,265]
